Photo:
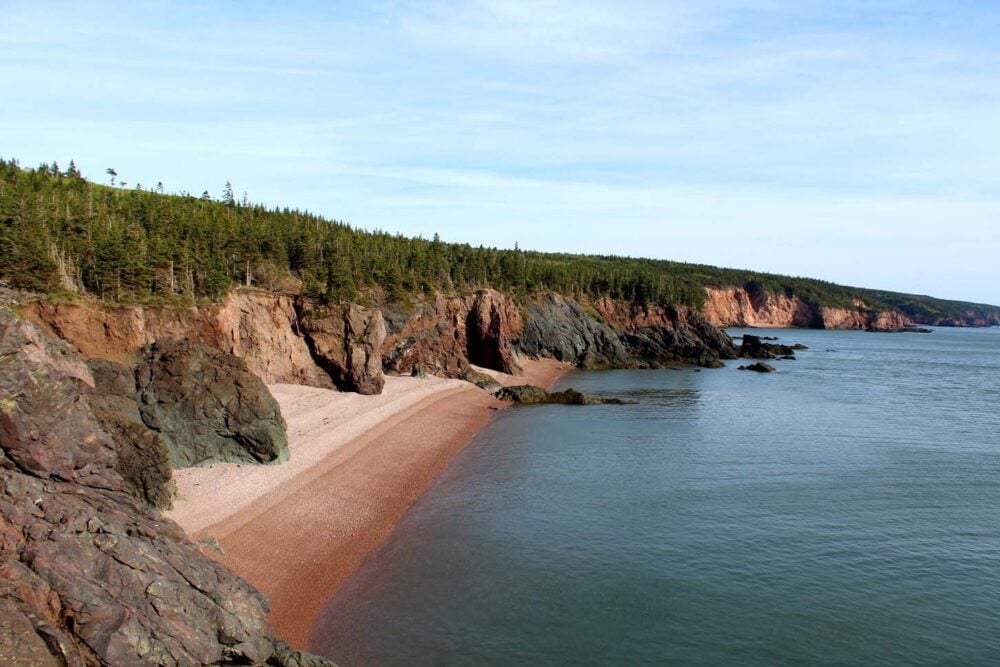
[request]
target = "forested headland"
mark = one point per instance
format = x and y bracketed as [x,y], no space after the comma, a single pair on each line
[63,233]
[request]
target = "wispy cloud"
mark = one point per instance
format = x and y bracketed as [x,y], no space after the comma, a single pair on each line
[808,136]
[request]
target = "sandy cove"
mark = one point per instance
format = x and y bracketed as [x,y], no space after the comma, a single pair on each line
[297,530]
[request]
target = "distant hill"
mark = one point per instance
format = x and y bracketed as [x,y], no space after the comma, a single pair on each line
[62,233]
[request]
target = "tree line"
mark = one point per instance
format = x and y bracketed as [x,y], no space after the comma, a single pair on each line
[61,232]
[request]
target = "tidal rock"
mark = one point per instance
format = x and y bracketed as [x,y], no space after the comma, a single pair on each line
[759,367]
[754,347]
[89,573]
[346,340]
[527,394]
[207,406]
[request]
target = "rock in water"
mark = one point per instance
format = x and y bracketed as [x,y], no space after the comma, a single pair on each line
[90,574]
[526,394]
[754,347]
[759,367]
[346,342]
[207,406]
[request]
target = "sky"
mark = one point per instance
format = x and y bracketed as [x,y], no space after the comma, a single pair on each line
[857,142]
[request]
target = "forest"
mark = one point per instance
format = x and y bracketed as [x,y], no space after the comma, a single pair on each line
[62,233]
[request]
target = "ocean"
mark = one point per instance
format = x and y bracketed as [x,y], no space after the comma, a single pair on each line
[842,511]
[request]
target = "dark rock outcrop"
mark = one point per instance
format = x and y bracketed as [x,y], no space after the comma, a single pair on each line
[207,406]
[615,335]
[526,394]
[90,574]
[759,367]
[345,340]
[559,328]
[143,456]
[754,347]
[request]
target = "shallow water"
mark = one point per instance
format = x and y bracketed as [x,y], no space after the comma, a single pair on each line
[843,511]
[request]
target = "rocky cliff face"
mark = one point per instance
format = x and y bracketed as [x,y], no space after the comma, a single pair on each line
[447,337]
[739,307]
[260,328]
[90,574]
[615,335]
[346,341]
[265,330]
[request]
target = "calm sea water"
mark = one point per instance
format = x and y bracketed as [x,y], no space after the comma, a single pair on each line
[843,511]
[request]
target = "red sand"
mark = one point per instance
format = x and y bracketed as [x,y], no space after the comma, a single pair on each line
[298,530]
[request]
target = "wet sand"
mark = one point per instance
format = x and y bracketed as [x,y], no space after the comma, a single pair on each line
[297,530]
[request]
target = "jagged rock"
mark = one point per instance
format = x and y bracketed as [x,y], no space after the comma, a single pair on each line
[621,335]
[559,328]
[143,456]
[759,367]
[754,347]
[90,574]
[207,406]
[260,328]
[492,322]
[447,337]
[346,342]
[527,394]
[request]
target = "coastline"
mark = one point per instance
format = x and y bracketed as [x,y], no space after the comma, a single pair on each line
[297,531]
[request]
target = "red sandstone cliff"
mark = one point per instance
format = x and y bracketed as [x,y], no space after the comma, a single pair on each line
[737,307]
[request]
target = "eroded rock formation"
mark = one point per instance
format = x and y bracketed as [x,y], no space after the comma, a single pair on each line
[90,574]
[346,341]
[447,337]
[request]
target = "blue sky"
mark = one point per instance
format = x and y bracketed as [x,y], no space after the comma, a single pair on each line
[857,142]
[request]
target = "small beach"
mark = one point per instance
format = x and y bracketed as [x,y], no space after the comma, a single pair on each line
[298,530]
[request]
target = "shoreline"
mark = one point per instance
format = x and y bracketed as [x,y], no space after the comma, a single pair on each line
[298,530]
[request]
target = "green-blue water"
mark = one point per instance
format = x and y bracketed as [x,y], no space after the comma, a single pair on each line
[843,511]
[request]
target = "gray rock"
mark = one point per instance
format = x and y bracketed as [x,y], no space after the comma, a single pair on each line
[559,328]
[759,367]
[207,406]
[526,394]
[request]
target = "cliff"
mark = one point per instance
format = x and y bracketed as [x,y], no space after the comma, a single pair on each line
[90,573]
[740,307]
[294,340]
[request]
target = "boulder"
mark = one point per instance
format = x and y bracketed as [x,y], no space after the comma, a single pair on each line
[754,347]
[346,342]
[207,406]
[90,574]
[527,394]
[759,367]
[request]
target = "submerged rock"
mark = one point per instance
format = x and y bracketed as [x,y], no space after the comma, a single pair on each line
[207,406]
